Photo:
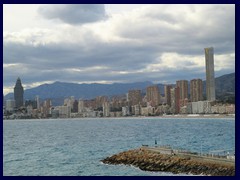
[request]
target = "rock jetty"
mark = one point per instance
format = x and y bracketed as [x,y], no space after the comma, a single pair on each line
[152,161]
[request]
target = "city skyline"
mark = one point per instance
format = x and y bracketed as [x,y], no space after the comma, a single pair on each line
[164,44]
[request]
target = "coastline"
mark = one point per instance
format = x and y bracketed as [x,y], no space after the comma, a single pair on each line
[179,116]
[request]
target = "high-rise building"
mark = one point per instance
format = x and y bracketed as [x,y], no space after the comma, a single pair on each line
[46,110]
[183,88]
[153,95]
[167,93]
[81,107]
[210,79]
[106,109]
[18,93]
[196,90]
[175,100]
[134,97]
[75,106]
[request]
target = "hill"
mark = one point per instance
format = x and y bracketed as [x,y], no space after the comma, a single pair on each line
[225,89]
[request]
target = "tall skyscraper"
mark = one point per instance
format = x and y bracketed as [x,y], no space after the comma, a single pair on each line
[183,88]
[210,80]
[167,93]
[134,97]
[175,100]
[153,95]
[196,90]
[18,94]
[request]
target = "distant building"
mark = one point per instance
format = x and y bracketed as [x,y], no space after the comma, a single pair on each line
[183,102]
[134,97]
[46,110]
[183,110]
[196,90]
[215,109]
[201,107]
[175,100]
[31,103]
[100,100]
[64,111]
[29,110]
[106,109]
[153,95]
[136,110]
[81,107]
[207,107]
[10,104]
[167,93]
[195,108]
[183,88]
[18,94]
[230,109]
[75,106]
[147,111]
[163,109]
[69,102]
[210,79]
[55,112]
[189,108]
[222,109]
[125,111]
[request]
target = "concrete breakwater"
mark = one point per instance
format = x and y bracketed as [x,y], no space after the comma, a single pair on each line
[153,161]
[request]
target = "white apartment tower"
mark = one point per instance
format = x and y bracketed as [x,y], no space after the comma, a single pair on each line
[210,79]
[81,107]
[106,109]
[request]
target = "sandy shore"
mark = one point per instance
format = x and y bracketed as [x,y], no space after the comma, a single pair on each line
[189,116]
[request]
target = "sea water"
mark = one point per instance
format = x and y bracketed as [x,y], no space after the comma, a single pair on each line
[75,147]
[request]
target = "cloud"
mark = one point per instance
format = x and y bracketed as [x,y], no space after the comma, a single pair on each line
[178,27]
[74,13]
[159,43]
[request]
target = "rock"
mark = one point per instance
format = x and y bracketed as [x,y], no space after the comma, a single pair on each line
[151,161]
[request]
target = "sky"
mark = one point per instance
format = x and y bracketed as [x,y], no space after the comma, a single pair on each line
[114,43]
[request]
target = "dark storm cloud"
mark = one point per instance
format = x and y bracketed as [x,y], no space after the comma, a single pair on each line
[50,62]
[117,56]
[74,13]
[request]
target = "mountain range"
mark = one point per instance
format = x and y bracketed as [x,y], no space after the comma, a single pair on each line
[59,90]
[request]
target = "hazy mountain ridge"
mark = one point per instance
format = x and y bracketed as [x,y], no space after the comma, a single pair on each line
[85,91]
[224,85]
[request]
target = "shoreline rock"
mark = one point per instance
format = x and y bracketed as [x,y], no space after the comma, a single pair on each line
[153,161]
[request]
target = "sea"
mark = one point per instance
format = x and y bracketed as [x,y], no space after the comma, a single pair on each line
[75,147]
